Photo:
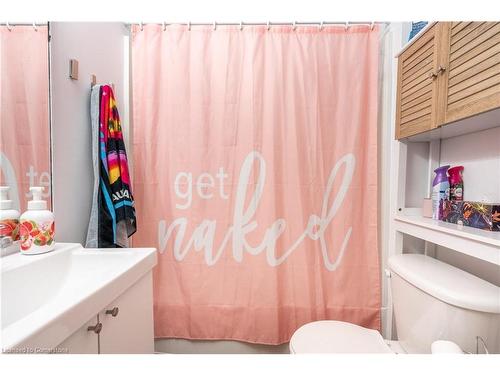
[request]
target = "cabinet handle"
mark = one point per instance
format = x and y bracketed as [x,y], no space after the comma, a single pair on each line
[113,312]
[433,75]
[441,69]
[97,328]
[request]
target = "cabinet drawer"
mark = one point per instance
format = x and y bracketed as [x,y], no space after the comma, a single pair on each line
[416,91]
[472,80]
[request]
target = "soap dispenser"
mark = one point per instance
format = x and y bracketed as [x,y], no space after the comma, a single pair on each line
[9,218]
[37,225]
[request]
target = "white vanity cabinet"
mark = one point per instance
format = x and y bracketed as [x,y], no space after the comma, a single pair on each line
[127,322]
[100,302]
[124,326]
[82,341]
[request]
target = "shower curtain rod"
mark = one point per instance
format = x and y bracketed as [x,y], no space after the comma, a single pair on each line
[321,24]
[10,25]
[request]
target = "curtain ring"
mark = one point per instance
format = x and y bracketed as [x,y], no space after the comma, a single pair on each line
[8,26]
[164,25]
[189,25]
[141,25]
[321,26]
[34,26]
[215,25]
[346,25]
[294,26]
[241,25]
[372,25]
[268,25]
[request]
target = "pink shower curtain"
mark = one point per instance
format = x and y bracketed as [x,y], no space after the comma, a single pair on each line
[24,110]
[255,176]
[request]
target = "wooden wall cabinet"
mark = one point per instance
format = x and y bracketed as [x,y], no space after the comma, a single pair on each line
[417,87]
[471,82]
[451,72]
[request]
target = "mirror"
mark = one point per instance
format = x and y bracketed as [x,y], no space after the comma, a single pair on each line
[24,111]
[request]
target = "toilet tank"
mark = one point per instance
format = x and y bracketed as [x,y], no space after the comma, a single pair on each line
[435,301]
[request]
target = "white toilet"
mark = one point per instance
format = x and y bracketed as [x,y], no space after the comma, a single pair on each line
[432,301]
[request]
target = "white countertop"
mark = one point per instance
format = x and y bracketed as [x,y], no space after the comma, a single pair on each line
[47,297]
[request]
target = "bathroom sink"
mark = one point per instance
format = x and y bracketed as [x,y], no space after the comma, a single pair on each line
[47,297]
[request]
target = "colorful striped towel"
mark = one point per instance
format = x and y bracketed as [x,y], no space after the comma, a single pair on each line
[113,215]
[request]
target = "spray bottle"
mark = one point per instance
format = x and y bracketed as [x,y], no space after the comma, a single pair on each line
[440,191]
[456,183]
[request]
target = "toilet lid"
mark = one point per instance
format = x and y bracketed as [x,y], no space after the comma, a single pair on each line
[331,336]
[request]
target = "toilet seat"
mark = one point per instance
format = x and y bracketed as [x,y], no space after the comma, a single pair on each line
[331,336]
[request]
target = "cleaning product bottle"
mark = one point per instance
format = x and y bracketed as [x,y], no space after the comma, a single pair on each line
[37,225]
[456,183]
[440,191]
[9,218]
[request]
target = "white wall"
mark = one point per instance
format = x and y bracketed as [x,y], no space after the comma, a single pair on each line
[417,184]
[390,42]
[479,153]
[99,48]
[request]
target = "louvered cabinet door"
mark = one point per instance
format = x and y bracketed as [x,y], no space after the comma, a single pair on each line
[417,86]
[472,76]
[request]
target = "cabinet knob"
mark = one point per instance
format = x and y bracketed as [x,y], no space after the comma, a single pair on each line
[113,312]
[432,75]
[97,328]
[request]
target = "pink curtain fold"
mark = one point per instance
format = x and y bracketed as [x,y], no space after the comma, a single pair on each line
[24,111]
[255,176]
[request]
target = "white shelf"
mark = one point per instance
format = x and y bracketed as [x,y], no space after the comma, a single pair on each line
[478,243]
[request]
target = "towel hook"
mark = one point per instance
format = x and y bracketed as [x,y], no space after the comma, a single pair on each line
[215,25]
[268,25]
[34,26]
[241,25]
[8,26]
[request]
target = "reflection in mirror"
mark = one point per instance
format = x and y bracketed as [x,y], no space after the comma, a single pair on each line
[24,112]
